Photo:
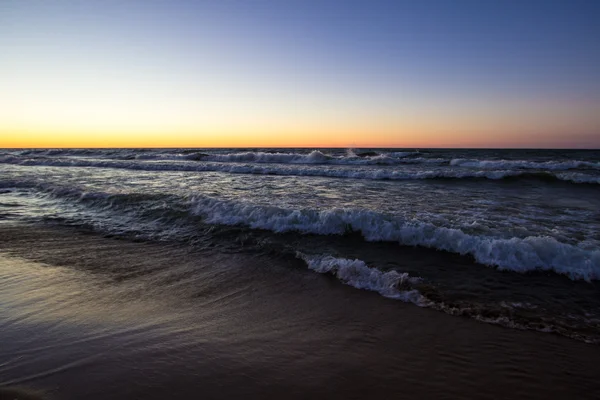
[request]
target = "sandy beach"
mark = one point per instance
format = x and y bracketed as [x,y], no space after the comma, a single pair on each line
[86,316]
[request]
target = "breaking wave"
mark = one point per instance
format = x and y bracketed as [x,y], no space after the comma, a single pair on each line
[401,286]
[317,157]
[314,157]
[314,171]
[513,254]
[523,164]
[356,273]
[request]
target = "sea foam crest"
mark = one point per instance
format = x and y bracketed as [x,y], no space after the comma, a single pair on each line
[314,157]
[356,273]
[400,286]
[322,171]
[524,164]
[515,254]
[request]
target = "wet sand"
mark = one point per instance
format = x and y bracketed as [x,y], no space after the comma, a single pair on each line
[84,316]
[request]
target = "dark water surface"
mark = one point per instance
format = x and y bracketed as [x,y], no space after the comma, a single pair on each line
[295,273]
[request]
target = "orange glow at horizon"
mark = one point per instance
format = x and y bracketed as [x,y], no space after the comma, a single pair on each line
[89,124]
[278,138]
[409,137]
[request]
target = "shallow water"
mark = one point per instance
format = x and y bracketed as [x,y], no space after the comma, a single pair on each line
[85,316]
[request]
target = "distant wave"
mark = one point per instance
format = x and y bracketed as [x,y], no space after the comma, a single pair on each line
[390,158]
[260,157]
[514,254]
[112,153]
[105,154]
[64,152]
[524,164]
[314,157]
[317,171]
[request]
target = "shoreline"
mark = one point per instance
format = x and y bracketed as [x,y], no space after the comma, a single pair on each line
[106,317]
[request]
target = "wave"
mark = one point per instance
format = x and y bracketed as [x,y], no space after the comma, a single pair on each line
[401,286]
[390,158]
[349,157]
[314,157]
[513,254]
[524,164]
[324,171]
[63,152]
[116,153]
[356,273]
[105,154]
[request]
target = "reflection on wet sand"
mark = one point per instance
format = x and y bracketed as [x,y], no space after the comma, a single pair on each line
[90,317]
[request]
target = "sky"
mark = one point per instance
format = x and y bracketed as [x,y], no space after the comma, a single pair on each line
[286,73]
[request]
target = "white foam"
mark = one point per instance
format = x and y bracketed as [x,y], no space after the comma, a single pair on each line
[314,157]
[530,253]
[524,164]
[356,273]
[289,170]
[576,177]
[515,254]
[398,285]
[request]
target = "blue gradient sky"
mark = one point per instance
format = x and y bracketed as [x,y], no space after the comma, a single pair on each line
[300,73]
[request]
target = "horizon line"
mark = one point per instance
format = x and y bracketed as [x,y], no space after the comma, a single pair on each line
[302,147]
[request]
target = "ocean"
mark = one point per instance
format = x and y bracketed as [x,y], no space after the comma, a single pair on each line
[295,273]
